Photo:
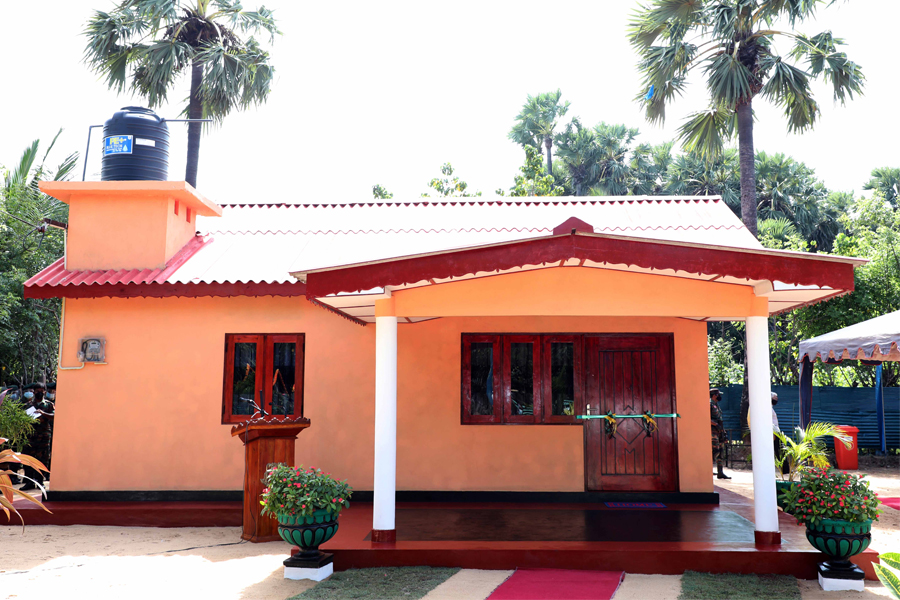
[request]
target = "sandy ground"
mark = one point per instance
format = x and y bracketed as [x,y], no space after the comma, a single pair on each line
[469,583]
[192,563]
[886,482]
[140,562]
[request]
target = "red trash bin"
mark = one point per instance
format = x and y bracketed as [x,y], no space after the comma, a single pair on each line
[847,459]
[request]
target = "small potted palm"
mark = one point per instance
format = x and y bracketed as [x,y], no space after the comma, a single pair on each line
[805,450]
[306,503]
[838,509]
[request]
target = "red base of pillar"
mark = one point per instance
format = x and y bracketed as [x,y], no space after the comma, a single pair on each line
[383,536]
[767,538]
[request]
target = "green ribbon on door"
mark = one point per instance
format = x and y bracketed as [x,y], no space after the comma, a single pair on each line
[648,421]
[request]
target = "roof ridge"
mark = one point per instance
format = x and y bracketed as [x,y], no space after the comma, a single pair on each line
[462,230]
[527,200]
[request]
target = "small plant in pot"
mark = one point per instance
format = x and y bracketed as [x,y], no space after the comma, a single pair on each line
[306,503]
[806,449]
[838,509]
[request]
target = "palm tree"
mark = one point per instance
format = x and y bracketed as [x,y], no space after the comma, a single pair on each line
[581,155]
[536,123]
[887,181]
[146,45]
[690,175]
[732,43]
[648,166]
[789,189]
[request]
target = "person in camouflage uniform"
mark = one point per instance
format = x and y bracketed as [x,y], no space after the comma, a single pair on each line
[719,438]
[39,441]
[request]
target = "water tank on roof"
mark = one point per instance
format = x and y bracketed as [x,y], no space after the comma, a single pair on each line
[135,146]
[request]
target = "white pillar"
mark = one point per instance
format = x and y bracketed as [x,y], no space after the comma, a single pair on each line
[765,509]
[385,429]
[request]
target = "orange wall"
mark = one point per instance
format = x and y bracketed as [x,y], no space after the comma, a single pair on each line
[151,418]
[553,292]
[124,233]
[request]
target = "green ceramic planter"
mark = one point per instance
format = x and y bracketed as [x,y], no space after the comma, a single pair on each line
[308,533]
[839,540]
[781,487]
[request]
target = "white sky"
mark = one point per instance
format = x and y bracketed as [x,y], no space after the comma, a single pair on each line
[386,92]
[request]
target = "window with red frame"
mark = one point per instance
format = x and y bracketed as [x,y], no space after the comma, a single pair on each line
[265,370]
[522,379]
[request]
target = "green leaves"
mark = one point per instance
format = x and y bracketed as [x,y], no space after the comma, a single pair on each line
[159,65]
[889,577]
[146,45]
[823,58]
[299,491]
[233,77]
[538,118]
[732,43]
[705,133]
[729,80]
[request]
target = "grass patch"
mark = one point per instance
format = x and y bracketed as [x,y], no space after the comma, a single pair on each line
[729,586]
[396,583]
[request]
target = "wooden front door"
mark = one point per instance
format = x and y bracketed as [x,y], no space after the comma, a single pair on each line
[629,375]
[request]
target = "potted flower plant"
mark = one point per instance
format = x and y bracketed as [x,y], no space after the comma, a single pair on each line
[805,449]
[306,503]
[838,509]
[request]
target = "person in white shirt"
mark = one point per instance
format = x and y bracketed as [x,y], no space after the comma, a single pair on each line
[785,467]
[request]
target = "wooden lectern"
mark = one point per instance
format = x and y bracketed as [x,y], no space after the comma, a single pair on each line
[266,440]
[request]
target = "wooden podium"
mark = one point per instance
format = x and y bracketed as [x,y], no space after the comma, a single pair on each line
[266,440]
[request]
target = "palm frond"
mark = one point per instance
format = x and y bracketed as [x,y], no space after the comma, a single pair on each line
[728,79]
[19,175]
[820,51]
[705,133]
[233,77]
[159,65]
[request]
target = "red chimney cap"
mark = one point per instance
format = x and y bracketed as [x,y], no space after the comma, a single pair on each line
[571,225]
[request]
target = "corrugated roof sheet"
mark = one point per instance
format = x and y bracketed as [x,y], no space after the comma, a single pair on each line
[57,274]
[264,243]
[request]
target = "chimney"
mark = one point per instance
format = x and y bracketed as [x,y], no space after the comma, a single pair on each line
[128,224]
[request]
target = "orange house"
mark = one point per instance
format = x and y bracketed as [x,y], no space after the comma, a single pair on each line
[440,348]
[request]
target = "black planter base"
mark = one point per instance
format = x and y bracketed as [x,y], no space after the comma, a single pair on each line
[296,561]
[841,569]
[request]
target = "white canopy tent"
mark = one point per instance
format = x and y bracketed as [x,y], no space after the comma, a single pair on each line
[876,340]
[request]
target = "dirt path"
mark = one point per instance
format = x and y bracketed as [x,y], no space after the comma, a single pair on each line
[886,482]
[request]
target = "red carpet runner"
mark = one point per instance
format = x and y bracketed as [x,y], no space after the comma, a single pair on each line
[559,584]
[892,502]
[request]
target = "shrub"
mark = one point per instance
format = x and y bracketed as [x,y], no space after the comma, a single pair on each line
[823,494]
[301,492]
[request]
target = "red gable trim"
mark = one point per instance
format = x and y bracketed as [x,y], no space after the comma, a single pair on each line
[166,290]
[753,265]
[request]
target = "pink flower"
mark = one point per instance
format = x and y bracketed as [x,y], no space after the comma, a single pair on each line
[302,506]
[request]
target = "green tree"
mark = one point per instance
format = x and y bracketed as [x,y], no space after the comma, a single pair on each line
[723,369]
[448,187]
[147,45]
[648,168]
[29,328]
[788,188]
[691,175]
[533,180]
[380,193]
[536,123]
[887,181]
[731,42]
[872,230]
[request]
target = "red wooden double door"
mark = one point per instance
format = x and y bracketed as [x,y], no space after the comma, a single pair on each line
[628,374]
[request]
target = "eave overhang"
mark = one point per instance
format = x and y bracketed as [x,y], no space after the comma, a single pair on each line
[792,268]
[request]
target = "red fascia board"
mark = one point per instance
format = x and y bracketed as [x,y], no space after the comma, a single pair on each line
[751,265]
[166,290]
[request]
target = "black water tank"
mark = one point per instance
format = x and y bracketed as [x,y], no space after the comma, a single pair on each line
[135,146]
